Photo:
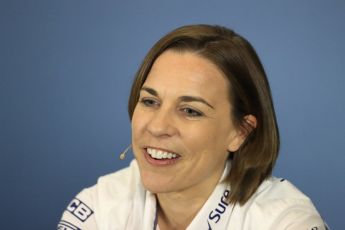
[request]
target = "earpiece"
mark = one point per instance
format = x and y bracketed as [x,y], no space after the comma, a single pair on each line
[123,154]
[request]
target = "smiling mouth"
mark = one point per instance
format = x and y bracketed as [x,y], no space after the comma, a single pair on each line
[161,154]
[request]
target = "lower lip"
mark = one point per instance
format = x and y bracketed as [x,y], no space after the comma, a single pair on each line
[159,162]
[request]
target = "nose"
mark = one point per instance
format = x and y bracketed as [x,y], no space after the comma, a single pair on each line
[162,123]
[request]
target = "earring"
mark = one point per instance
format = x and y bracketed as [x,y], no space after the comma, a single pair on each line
[123,154]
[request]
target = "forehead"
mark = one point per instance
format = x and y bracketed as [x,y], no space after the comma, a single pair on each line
[187,72]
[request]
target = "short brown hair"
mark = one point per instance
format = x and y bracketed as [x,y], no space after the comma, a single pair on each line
[249,93]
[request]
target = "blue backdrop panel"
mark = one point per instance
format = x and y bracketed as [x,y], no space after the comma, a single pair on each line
[66,71]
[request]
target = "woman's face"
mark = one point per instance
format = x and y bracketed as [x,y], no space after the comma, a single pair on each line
[182,126]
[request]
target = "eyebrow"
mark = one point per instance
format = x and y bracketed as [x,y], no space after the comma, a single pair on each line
[182,98]
[150,91]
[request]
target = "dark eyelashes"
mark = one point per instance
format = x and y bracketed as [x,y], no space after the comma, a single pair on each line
[148,102]
[192,112]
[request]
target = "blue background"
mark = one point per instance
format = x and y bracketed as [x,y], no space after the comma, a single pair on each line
[66,71]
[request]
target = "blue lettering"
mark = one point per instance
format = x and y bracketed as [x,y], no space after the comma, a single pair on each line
[211,216]
[215,215]
[73,205]
[79,210]
[223,200]
[221,211]
[226,193]
[209,226]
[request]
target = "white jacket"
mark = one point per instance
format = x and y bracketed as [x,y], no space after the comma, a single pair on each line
[119,202]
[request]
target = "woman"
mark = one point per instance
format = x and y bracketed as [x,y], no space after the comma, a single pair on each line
[205,140]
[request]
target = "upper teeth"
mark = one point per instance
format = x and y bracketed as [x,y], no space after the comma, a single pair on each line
[159,154]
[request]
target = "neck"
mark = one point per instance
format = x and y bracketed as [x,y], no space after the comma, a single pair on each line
[176,210]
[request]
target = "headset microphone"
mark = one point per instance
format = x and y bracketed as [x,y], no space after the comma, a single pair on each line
[123,154]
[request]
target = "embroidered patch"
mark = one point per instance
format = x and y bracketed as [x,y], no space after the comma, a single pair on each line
[64,225]
[79,209]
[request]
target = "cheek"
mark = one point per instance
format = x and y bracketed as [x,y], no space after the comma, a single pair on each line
[200,137]
[136,131]
[136,124]
[209,138]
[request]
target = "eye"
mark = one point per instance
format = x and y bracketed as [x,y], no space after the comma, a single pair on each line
[149,102]
[192,112]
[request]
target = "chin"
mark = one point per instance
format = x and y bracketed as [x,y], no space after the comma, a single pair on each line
[156,185]
[154,189]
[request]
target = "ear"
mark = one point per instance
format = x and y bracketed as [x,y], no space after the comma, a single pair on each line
[248,125]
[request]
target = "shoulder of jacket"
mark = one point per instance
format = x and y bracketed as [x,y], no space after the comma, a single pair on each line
[111,199]
[123,177]
[278,189]
[120,184]
[277,198]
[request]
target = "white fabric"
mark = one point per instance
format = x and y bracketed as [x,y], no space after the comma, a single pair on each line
[119,202]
